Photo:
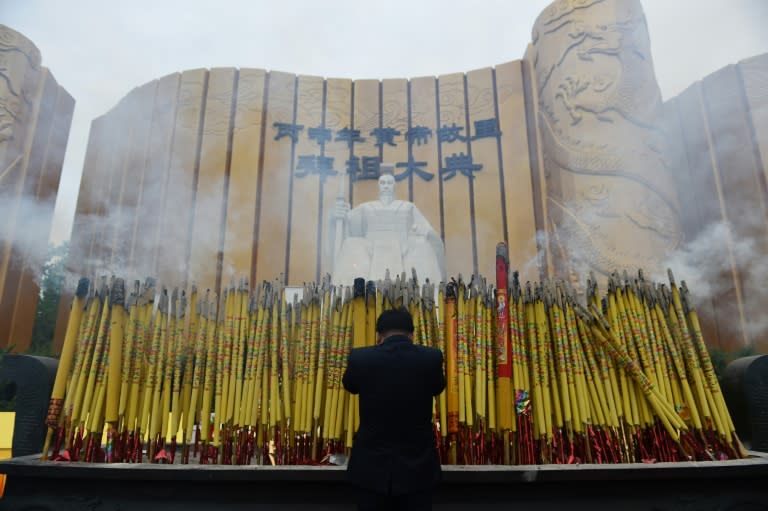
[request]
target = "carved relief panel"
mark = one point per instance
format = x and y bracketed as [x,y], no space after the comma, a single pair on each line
[610,200]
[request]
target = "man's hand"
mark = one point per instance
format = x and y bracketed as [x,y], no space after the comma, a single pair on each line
[342,209]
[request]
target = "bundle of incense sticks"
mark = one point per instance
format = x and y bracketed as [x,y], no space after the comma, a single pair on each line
[535,373]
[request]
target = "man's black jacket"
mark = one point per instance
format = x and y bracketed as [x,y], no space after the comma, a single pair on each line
[394,449]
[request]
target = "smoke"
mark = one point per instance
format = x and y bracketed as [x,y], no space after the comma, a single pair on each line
[531,269]
[720,258]
[703,261]
[156,234]
[724,267]
[27,225]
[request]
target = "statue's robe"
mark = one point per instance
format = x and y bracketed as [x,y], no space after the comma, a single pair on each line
[378,237]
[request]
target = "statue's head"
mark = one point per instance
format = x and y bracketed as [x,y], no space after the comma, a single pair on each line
[386,187]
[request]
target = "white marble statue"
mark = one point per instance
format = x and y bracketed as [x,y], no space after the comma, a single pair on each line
[384,234]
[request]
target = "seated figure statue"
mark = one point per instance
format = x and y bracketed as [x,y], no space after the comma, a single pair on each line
[384,234]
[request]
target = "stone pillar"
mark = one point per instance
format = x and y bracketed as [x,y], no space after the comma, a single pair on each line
[35,116]
[608,202]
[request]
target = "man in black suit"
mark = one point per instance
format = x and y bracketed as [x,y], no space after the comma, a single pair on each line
[394,462]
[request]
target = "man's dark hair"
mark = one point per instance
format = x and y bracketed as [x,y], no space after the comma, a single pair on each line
[395,320]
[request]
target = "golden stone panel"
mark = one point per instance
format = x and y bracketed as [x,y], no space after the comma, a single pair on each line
[457,215]
[741,179]
[366,119]
[426,193]
[244,174]
[18,198]
[91,182]
[178,204]
[278,166]
[518,186]
[394,114]
[338,110]
[486,185]
[113,233]
[305,200]
[208,222]
[45,164]
[154,179]
[134,170]
[703,182]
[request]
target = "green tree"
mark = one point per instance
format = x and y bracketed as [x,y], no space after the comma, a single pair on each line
[51,285]
[721,359]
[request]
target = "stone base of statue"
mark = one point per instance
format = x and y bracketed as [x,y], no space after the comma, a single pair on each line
[372,259]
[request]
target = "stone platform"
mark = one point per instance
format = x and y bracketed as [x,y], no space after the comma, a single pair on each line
[728,485]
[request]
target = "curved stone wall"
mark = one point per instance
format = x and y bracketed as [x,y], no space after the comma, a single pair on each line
[208,175]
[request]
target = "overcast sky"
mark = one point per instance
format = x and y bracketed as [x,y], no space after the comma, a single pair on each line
[99,50]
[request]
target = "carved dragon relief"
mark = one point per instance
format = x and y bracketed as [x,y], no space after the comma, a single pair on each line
[621,78]
[561,8]
[599,105]
[19,74]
